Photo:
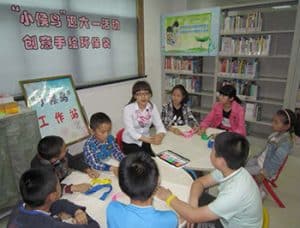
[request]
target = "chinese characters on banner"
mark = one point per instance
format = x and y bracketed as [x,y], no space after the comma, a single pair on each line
[57,107]
[62,19]
[194,32]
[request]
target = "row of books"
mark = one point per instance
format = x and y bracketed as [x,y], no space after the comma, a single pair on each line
[246,90]
[243,23]
[192,84]
[253,112]
[246,46]
[183,64]
[238,67]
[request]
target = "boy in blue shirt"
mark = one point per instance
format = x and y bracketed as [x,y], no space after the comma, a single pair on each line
[238,203]
[41,207]
[138,178]
[101,145]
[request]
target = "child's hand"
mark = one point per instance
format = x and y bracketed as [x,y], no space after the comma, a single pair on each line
[92,173]
[175,130]
[115,170]
[80,187]
[201,131]
[80,217]
[163,193]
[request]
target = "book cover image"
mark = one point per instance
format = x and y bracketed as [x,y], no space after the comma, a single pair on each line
[173,158]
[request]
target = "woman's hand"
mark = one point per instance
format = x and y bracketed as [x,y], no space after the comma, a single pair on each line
[157,139]
[175,130]
[201,130]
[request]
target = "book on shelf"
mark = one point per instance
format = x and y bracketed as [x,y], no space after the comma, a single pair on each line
[246,45]
[245,90]
[191,84]
[183,64]
[235,67]
[242,23]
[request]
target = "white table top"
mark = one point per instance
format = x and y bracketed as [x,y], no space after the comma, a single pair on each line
[195,148]
[176,179]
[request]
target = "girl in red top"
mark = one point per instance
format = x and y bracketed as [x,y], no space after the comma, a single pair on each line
[227,114]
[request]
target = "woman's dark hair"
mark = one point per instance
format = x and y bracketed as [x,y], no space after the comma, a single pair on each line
[230,91]
[138,176]
[233,147]
[50,146]
[138,86]
[184,93]
[288,117]
[36,184]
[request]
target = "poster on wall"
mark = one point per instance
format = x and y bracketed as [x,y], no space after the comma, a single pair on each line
[193,32]
[58,108]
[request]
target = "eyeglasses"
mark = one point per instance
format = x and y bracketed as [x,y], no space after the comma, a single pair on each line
[142,94]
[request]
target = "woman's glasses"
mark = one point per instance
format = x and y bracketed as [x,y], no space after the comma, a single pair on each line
[142,94]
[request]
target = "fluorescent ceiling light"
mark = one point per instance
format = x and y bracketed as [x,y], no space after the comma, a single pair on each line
[281,7]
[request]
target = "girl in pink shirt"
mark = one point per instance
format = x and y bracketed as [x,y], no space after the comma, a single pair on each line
[227,114]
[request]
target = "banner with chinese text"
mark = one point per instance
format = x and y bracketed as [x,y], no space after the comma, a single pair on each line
[191,32]
[57,106]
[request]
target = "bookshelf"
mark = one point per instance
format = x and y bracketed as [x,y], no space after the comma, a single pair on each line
[196,73]
[258,53]
[255,55]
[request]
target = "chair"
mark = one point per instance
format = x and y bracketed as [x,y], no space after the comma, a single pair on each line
[119,138]
[268,184]
[266,218]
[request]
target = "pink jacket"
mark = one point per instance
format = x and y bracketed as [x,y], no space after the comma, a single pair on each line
[236,118]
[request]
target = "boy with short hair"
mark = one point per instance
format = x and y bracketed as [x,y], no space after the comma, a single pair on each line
[101,145]
[238,203]
[138,178]
[41,207]
[53,154]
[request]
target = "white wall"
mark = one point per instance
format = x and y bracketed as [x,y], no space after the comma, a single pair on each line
[112,98]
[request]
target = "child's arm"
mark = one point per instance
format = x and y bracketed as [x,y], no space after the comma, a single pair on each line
[116,151]
[186,211]
[77,212]
[191,119]
[91,159]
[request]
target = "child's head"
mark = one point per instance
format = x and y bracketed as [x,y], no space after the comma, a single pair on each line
[39,187]
[228,94]
[100,123]
[179,95]
[138,176]
[52,148]
[286,120]
[231,148]
[141,92]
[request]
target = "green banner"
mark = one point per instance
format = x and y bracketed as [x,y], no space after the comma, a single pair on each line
[194,33]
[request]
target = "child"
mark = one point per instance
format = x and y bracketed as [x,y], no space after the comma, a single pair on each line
[138,178]
[138,116]
[53,154]
[101,145]
[238,203]
[279,145]
[227,114]
[177,112]
[41,207]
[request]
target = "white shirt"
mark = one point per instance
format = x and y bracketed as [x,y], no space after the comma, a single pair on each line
[137,123]
[238,203]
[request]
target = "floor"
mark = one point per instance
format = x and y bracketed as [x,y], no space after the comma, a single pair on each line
[288,190]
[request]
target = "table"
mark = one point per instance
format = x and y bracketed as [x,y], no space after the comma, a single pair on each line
[176,179]
[194,148]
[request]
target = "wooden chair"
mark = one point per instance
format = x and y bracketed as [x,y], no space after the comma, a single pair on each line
[270,184]
[119,138]
[266,218]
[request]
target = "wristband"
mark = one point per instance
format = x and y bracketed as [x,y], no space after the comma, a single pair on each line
[169,199]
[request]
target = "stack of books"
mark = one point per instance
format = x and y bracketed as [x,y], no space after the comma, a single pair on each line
[243,23]
[183,64]
[238,67]
[246,46]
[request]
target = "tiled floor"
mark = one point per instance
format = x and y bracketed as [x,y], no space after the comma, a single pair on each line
[288,190]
